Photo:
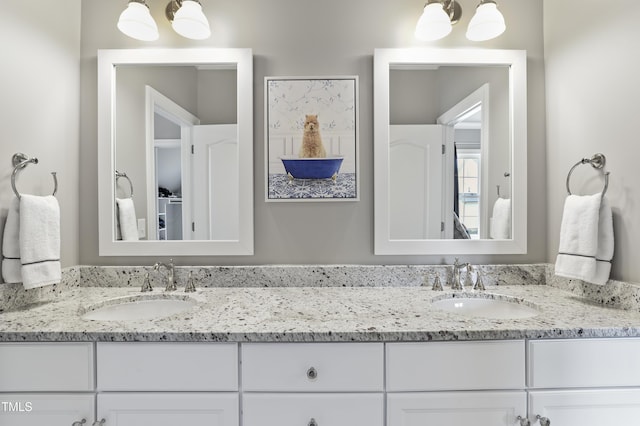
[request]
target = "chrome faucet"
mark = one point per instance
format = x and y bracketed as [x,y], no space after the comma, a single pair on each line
[171,277]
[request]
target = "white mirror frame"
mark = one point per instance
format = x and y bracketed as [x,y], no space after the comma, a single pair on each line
[107,62]
[384,61]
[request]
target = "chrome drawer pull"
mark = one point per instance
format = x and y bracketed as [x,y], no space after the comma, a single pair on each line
[99,423]
[543,420]
[80,423]
[312,422]
[523,421]
[312,374]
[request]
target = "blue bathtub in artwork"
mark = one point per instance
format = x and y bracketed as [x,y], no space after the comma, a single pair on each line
[312,168]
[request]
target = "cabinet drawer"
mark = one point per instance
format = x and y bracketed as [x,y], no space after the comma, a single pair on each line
[584,363]
[312,367]
[142,366]
[288,409]
[455,366]
[45,367]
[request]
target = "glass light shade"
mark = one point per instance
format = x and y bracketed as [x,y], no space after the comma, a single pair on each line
[486,24]
[434,23]
[189,21]
[136,22]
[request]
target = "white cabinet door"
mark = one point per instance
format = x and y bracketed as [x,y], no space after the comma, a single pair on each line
[617,407]
[168,409]
[50,409]
[313,409]
[456,408]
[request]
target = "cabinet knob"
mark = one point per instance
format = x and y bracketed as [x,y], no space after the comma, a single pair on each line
[313,422]
[312,374]
[523,421]
[543,420]
[80,423]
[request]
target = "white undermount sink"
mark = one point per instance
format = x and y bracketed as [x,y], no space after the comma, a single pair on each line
[138,307]
[485,305]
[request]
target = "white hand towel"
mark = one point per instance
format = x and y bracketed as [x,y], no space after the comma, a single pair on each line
[586,239]
[39,240]
[127,219]
[11,245]
[605,244]
[500,222]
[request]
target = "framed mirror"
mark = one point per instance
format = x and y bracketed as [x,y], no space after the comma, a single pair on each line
[175,146]
[450,151]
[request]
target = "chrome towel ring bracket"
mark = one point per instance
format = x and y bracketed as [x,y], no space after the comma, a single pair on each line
[124,175]
[598,162]
[20,161]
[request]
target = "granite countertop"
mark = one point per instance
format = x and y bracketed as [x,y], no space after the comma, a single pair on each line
[309,314]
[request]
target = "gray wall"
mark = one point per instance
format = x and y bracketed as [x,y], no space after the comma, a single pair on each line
[39,105]
[330,37]
[592,69]
[591,107]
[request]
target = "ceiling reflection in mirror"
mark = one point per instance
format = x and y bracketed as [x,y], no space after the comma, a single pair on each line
[175,143]
[450,151]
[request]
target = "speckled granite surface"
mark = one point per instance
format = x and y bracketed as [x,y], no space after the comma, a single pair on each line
[315,276]
[304,304]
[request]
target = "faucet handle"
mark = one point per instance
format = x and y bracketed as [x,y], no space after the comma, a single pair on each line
[146,284]
[437,285]
[468,282]
[479,285]
[190,287]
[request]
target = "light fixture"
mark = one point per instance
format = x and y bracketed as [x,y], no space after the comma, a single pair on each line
[136,21]
[487,23]
[438,17]
[187,19]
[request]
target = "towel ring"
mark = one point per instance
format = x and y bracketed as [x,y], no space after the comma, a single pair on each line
[124,175]
[20,161]
[597,162]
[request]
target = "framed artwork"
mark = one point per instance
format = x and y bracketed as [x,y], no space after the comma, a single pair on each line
[311,132]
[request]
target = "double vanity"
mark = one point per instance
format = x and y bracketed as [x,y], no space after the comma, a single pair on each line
[318,345]
[250,347]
